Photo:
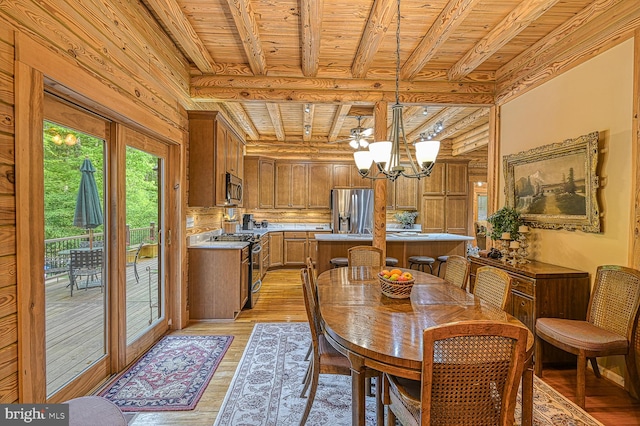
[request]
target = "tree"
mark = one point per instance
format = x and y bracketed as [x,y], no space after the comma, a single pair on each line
[570,185]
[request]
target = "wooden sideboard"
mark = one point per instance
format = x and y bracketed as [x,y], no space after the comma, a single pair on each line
[543,290]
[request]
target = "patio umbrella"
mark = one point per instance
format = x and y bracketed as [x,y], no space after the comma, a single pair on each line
[88,213]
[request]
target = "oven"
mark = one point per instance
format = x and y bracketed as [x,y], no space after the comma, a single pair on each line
[255,258]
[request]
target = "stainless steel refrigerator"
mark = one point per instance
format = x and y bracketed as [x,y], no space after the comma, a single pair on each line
[352,211]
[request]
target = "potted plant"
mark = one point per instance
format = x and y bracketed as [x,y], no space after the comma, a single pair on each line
[504,220]
[406,218]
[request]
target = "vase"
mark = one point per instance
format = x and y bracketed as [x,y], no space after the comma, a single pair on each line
[407,225]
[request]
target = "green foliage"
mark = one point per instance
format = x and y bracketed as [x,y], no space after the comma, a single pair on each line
[504,220]
[62,178]
[406,217]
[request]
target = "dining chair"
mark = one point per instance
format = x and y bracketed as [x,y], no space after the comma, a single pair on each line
[492,285]
[471,372]
[612,316]
[88,264]
[365,256]
[326,359]
[457,271]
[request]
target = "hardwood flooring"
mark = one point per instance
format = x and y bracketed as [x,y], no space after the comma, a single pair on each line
[281,300]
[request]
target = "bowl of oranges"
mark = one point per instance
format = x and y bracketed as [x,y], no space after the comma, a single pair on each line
[395,283]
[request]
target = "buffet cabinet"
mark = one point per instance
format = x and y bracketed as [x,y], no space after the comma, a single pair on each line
[542,290]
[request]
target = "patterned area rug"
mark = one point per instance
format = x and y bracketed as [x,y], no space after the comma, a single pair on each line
[266,387]
[171,377]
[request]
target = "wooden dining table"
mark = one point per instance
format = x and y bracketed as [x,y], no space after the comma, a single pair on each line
[385,334]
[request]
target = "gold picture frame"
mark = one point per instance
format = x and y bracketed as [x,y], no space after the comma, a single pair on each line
[555,186]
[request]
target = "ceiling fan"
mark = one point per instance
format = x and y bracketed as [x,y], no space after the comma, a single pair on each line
[359,136]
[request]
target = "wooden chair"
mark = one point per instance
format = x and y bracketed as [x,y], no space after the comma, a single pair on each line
[610,323]
[326,359]
[492,285]
[365,256]
[471,372]
[457,272]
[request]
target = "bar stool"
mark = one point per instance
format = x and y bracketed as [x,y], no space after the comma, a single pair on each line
[391,261]
[337,262]
[441,259]
[420,261]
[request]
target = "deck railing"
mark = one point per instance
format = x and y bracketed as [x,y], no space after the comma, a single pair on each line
[56,263]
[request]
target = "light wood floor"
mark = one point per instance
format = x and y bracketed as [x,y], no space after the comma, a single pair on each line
[281,300]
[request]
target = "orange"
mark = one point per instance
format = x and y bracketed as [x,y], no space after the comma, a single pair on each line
[396,271]
[385,272]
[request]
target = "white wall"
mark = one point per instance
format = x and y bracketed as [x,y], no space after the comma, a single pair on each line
[596,95]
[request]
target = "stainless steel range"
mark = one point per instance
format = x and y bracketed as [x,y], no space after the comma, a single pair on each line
[255,283]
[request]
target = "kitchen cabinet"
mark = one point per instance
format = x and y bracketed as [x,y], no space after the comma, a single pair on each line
[313,244]
[266,182]
[403,194]
[445,201]
[214,150]
[346,176]
[258,182]
[542,290]
[290,185]
[295,248]
[264,263]
[320,184]
[218,282]
[276,255]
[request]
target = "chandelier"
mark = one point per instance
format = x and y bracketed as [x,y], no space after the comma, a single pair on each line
[386,154]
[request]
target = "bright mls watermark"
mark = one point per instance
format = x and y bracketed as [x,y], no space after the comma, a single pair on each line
[34,414]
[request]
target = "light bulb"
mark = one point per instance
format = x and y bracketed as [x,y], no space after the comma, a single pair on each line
[424,111]
[363,159]
[70,139]
[57,139]
[363,143]
[353,144]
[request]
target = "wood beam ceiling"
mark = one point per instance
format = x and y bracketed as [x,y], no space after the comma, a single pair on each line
[338,121]
[375,29]
[247,28]
[276,120]
[311,22]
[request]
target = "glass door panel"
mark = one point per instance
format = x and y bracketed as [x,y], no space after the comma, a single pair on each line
[75,253]
[144,289]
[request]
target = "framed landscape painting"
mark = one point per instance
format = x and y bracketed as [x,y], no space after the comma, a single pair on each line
[555,186]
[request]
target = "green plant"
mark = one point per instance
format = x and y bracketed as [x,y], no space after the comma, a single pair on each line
[504,220]
[406,218]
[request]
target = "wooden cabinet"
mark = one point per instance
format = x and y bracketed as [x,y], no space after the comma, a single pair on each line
[276,255]
[295,248]
[214,150]
[264,260]
[313,244]
[258,182]
[320,184]
[543,290]
[403,194]
[445,200]
[346,176]
[290,185]
[218,282]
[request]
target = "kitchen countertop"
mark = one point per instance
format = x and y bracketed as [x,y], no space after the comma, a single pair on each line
[396,236]
[233,245]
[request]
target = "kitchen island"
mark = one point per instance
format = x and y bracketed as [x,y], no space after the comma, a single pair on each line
[400,245]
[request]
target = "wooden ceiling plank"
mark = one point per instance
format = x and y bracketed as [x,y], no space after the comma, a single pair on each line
[446,23]
[583,17]
[217,94]
[247,27]
[515,22]
[603,32]
[307,121]
[276,120]
[454,128]
[169,12]
[470,143]
[375,29]
[311,22]
[241,119]
[360,111]
[329,84]
[338,121]
[471,133]
[443,115]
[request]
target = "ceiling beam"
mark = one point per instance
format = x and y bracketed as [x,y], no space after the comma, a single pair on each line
[200,94]
[471,140]
[338,121]
[241,119]
[311,22]
[307,121]
[515,22]
[170,13]
[443,115]
[375,29]
[586,15]
[454,128]
[248,33]
[276,120]
[446,23]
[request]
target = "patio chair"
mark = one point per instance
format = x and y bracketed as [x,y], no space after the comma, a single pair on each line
[88,264]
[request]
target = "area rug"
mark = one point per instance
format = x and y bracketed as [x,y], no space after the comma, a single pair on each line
[265,389]
[170,377]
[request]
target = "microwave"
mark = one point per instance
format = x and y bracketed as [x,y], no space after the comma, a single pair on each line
[234,189]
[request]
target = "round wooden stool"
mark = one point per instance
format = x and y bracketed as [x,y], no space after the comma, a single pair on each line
[391,261]
[441,259]
[339,261]
[420,262]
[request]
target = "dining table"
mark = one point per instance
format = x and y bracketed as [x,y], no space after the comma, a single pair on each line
[385,334]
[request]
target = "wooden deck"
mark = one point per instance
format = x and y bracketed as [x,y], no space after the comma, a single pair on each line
[75,324]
